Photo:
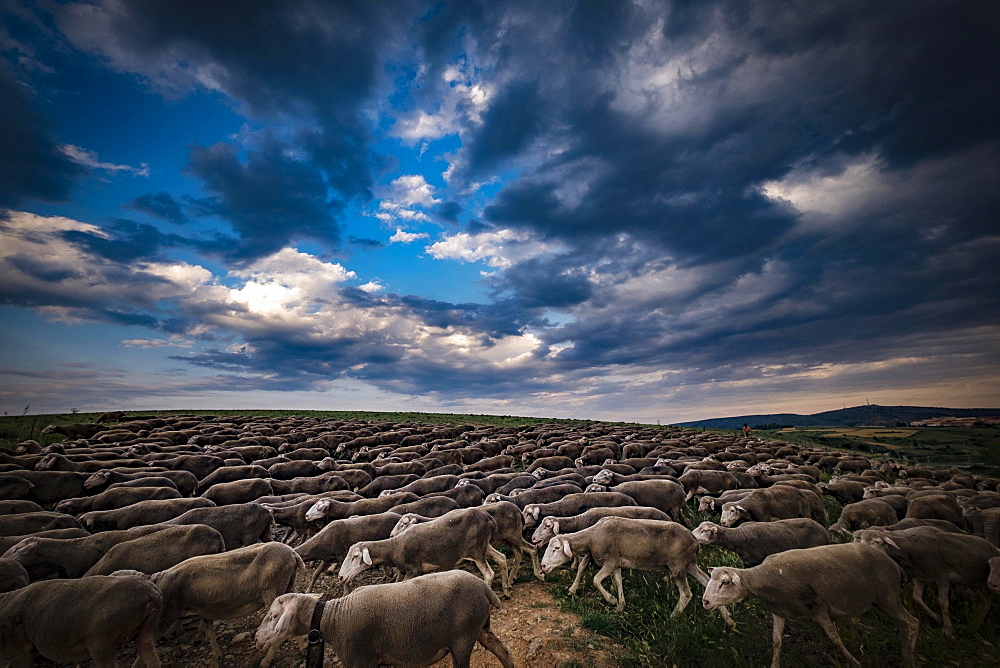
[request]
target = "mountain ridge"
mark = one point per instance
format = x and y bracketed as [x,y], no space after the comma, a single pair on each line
[855,416]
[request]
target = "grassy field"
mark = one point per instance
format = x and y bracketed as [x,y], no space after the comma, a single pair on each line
[975,447]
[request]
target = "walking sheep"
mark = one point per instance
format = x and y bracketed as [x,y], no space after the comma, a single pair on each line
[58,619]
[417,622]
[820,583]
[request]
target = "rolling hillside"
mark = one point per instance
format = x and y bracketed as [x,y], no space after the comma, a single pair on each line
[846,417]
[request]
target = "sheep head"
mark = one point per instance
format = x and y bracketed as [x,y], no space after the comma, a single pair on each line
[724,587]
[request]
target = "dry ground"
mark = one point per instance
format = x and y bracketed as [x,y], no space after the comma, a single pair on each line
[531,624]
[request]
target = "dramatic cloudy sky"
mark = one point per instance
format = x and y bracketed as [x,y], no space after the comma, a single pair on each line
[644,210]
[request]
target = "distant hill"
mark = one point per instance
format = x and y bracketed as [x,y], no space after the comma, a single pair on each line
[846,417]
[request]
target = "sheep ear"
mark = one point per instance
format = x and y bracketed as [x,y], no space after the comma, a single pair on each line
[567,550]
[285,620]
[555,526]
[890,541]
[366,556]
[741,509]
[535,512]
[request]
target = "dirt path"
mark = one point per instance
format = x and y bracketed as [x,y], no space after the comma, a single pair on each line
[531,624]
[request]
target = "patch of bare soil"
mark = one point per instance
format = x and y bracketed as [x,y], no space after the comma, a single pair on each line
[530,624]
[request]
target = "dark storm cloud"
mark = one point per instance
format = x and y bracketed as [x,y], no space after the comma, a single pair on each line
[365,242]
[161,204]
[269,200]
[304,60]
[449,211]
[511,123]
[31,164]
[125,241]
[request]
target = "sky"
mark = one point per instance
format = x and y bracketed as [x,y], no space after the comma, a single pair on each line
[639,210]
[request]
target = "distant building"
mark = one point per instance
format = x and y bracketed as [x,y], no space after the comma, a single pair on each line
[955,421]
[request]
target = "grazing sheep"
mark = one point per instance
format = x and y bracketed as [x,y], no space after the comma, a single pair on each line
[118,497]
[985,522]
[332,543]
[51,486]
[141,513]
[936,506]
[755,541]
[331,509]
[74,431]
[429,506]
[417,622]
[619,542]
[12,575]
[864,514]
[160,550]
[68,557]
[574,504]
[928,555]
[509,533]
[230,474]
[844,491]
[184,481]
[26,523]
[240,524]
[433,546]
[14,487]
[18,507]
[7,542]
[820,583]
[230,585]
[698,481]
[943,525]
[553,526]
[111,416]
[665,495]
[59,620]
[238,491]
[326,482]
[707,504]
[780,502]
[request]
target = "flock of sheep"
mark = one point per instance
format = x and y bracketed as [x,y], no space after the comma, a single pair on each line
[172,517]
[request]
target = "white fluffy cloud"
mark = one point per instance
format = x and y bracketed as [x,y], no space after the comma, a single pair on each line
[402,237]
[501,248]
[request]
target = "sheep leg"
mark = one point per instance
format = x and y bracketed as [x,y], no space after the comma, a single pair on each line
[983,608]
[831,632]
[918,598]
[606,570]
[618,586]
[495,646]
[145,643]
[208,626]
[777,633]
[536,564]
[579,573]
[943,589]
[502,564]
[461,652]
[684,589]
[319,569]
[484,568]
[515,565]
